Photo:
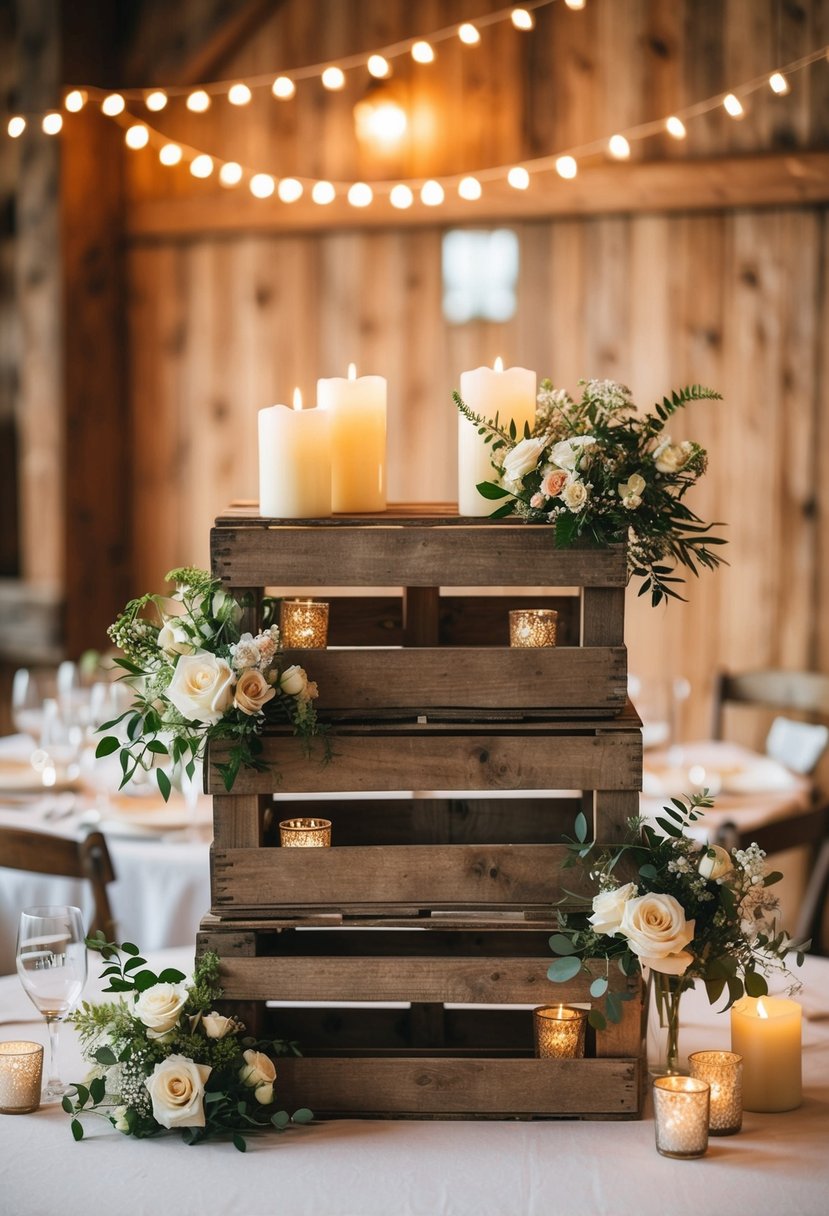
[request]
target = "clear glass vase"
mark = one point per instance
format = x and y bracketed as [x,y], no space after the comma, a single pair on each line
[664,996]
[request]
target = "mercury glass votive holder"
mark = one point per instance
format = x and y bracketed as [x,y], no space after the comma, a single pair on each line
[21,1070]
[533,627]
[303,624]
[723,1070]
[559,1032]
[305,833]
[680,1109]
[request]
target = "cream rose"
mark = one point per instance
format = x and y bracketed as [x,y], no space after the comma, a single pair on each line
[657,932]
[173,639]
[523,458]
[608,907]
[574,495]
[566,452]
[119,1119]
[216,1026]
[159,1008]
[252,691]
[258,1069]
[634,485]
[202,687]
[554,483]
[293,681]
[714,862]
[671,457]
[263,1094]
[631,501]
[176,1087]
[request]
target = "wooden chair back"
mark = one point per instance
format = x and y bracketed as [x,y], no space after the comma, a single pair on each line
[803,692]
[40,853]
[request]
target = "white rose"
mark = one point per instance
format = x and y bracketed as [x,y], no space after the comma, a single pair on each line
[671,457]
[631,501]
[216,1026]
[657,931]
[263,1094]
[523,458]
[258,1069]
[159,1008]
[202,687]
[119,1119]
[176,1087]
[293,681]
[172,639]
[574,495]
[608,907]
[635,484]
[714,862]
[567,451]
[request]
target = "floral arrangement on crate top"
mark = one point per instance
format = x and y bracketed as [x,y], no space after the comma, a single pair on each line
[197,679]
[688,912]
[162,1058]
[601,474]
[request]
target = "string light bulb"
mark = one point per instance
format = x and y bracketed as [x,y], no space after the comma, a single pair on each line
[469,188]
[112,105]
[431,194]
[423,52]
[360,194]
[566,167]
[289,189]
[618,147]
[379,67]
[52,123]
[137,136]
[156,100]
[201,165]
[239,95]
[198,102]
[323,193]
[262,185]
[401,196]
[75,100]
[230,174]
[518,177]
[575,5]
[522,19]
[733,106]
[469,34]
[170,154]
[333,79]
[779,84]
[675,127]
[16,126]
[379,118]
[283,88]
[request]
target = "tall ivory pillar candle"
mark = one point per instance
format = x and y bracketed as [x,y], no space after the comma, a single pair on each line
[765,1031]
[294,462]
[357,408]
[511,394]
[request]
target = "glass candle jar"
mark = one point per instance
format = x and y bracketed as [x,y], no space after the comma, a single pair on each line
[533,627]
[305,833]
[723,1070]
[303,624]
[21,1071]
[680,1110]
[559,1031]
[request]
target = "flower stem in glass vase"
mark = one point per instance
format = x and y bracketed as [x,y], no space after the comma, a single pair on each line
[663,1035]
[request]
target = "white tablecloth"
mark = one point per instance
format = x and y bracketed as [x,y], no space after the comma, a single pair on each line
[778,1164]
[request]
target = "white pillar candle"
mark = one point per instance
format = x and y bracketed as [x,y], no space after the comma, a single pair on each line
[765,1031]
[357,407]
[294,462]
[511,394]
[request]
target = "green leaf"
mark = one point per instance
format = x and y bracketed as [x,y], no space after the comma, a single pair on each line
[281,1119]
[303,1115]
[648,871]
[77,1129]
[755,984]
[82,1096]
[599,986]
[157,748]
[597,1019]
[107,746]
[104,1055]
[132,963]
[67,1104]
[771,878]
[613,1005]
[714,990]
[163,783]
[561,944]
[97,1089]
[129,948]
[580,827]
[171,976]
[488,489]
[563,969]
[144,980]
[239,1142]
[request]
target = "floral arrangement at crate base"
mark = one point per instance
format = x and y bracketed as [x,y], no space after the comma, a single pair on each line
[162,1058]
[197,679]
[602,474]
[688,912]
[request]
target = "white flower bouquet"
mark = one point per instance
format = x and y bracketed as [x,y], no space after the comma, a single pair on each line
[163,1059]
[601,473]
[196,679]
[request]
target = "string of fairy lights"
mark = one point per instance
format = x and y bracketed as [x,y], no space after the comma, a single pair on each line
[140,133]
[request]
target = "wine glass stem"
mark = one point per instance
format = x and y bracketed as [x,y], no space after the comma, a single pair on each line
[53,1079]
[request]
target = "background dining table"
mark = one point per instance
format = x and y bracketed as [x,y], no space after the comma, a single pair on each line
[777,1164]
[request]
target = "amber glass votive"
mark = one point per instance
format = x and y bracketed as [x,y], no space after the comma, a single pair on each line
[21,1069]
[559,1032]
[723,1070]
[303,624]
[305,833]
[680,1111]
[533,627]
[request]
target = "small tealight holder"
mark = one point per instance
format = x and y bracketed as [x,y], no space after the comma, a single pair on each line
[305,833]
[559,1032]
[723,1070]
[533,627]
[680,1108]
[21,1070]
[303,624]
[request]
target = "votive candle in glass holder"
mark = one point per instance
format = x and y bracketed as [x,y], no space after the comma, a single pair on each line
[303,624]
[533,627]
[21,1071]
[305,833]
[559,1032]
[680,1109]
[723,1070]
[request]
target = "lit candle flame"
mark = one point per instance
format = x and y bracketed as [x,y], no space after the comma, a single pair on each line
[761,1009]
[352,371]
[297,399]
[498,364]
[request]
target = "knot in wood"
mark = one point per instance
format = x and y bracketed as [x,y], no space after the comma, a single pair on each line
[483,755]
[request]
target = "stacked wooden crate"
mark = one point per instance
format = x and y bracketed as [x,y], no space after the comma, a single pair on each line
[420,938]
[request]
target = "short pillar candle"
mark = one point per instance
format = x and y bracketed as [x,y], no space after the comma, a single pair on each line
[766,1032]
[21,1071]
[305,833]
[533,627]
[559,1031]
[680,1111]
[303,624]
[723,1070]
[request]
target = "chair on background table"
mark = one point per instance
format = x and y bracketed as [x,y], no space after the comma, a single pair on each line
[39,853]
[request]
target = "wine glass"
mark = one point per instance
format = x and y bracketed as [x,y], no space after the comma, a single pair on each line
[51,964]
[27,703]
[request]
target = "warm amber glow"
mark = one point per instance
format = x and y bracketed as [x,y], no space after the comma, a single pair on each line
[16,126]
[323,193]
[378,67]
[289,189]
[262,185]
[198,101]
[779,84]
[156,100]
[333,78]
[360,194]
[230,173]
[566,167]
[675,127]
[170,154]
[75,100]
[239,95]
[422,52]
[202,165]
[52,122]
[297,399]
[575,4]
[352,371]
[283,88]
[498,365]
[137,136]
[733,106]
[469,188]
[618,147]
[113,104]
[380,120]
[522,19]
[762,1012]
[401,197]
[518,177]
[431,194]
[469,34]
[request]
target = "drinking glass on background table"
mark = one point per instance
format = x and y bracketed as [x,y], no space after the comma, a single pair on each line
[28,693]
[51,964]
